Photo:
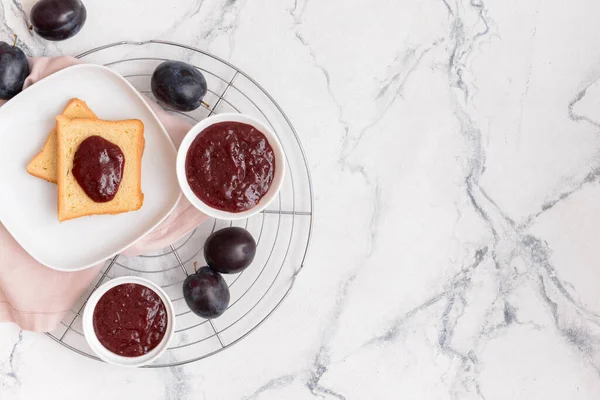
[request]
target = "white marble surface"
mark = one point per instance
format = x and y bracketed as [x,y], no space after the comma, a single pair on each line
[455,151]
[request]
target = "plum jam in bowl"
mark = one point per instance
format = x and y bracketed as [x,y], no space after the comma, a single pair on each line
[230,166]
[129,321]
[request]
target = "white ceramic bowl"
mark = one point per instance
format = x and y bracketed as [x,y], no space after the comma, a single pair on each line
[110,357]
[277,179]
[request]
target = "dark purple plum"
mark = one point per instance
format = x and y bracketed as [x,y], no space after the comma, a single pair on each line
[13,70]
[58,19]
[230,250]
[179,85]
[206,293]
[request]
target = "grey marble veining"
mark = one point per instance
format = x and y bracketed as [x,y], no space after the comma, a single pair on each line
[454,146]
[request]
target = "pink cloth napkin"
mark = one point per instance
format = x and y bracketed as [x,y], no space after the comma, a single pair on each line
[36,297]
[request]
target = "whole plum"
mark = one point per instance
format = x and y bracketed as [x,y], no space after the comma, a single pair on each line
[58,19]
[13,70]
[179,85]
[230,250]
[206,293]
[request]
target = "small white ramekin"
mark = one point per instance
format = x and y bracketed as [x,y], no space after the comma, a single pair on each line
[110,357]
[277,179]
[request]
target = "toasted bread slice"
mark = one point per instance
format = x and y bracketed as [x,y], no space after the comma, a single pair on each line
[44,164]
[129,136]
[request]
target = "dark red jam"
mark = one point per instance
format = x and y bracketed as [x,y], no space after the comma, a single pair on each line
[230,166]
[98,168]
[130,320]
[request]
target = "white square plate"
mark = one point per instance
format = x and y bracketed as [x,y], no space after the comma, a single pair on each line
[28,205]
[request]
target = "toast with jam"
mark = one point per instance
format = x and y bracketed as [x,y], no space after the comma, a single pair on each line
[99,166]
[44,164]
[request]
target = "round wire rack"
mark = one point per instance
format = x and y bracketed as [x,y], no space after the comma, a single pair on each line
[282,231]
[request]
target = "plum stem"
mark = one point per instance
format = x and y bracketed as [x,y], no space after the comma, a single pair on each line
[15,42]
[205,104]
[31,27]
